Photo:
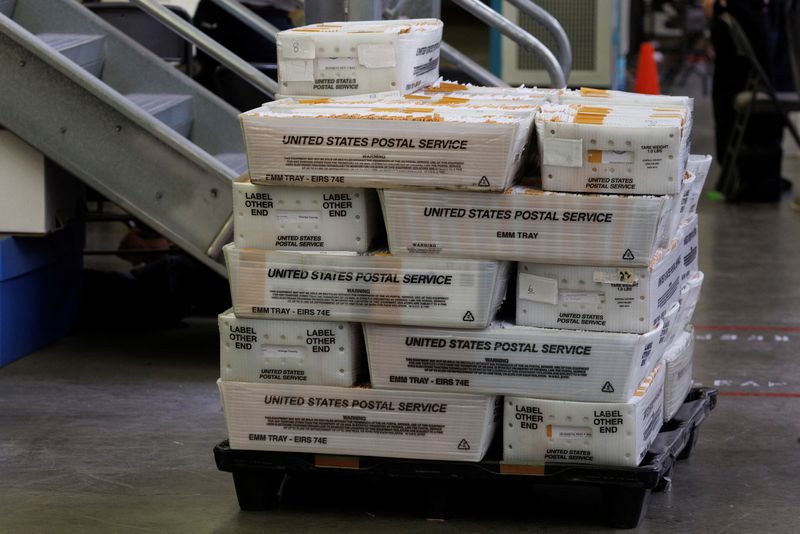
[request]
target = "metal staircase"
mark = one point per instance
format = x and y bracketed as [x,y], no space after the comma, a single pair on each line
[129,125]
[144,134]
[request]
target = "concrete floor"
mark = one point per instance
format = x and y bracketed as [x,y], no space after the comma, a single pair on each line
[112,431]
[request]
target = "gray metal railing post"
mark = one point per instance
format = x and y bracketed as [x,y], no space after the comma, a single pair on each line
[222,238]
[341,10]
[209,46]
[551,24]
[247,17]
[317,11]
[518,35]
[470,67]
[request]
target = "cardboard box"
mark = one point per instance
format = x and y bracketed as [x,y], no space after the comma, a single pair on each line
[678,377]
[299,143]
[292,218]
[372,288]
[349,58]
[542,432]
[512,360]
[612,149]
[290,352]
[36,196]
[526,224]
[605,299]
[359,421]
[699,166]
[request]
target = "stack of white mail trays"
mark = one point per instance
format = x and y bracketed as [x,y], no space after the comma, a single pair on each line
[596,351]
[309,260]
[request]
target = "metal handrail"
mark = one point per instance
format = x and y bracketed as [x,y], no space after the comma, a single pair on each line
[249,18]
[518,35]
[551,24]
[450,53]
[467,65]
[392,12]
[211,47]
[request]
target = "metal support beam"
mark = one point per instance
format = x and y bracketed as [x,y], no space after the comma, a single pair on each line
[364,9]
[470,67]
[209,46]
[551,24]
[342,10]
[247,17]
[518,35]
[412,9]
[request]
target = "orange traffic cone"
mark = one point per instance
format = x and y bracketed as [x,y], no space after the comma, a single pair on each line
[647,71]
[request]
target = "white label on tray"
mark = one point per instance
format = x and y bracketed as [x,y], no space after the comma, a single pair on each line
[617,156]
[538,288]
[297,70]
[581,297]
[376,56]
[281,351]
[292,217]
[324,63]
[298,49]
[620,276]
[568,432]
[563,152]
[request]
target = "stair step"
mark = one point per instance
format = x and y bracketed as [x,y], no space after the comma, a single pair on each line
[173,110]
[235,160]
[85,50]
[7,7]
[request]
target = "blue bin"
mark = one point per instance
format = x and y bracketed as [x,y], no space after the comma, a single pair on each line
[40,290]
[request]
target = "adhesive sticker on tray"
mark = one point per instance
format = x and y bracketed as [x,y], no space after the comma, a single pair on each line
[298,49]
[538,288]
[297,70]
[281,351]
[376,56]
[581,297]
[563,152]
[293,217]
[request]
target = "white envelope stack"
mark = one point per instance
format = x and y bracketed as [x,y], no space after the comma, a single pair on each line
[590,196]
[307,263]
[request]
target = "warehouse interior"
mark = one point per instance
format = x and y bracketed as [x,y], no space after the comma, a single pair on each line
[111,427]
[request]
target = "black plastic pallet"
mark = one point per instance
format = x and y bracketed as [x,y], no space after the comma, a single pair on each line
[258,475]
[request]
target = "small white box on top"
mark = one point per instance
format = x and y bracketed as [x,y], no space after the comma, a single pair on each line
[349,58]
